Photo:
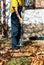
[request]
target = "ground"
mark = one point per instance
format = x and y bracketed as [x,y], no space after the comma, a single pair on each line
[31,54]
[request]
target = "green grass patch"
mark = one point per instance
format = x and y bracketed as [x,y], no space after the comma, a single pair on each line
[19,61]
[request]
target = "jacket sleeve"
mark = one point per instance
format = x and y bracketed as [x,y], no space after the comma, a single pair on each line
[14,3]
[23,3]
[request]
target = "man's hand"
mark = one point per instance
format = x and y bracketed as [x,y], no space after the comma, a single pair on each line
[21,20]
[23,9]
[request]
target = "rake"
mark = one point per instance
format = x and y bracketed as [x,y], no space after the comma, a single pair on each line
[20,41]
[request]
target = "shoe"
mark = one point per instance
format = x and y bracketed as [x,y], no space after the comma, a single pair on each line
[16,51]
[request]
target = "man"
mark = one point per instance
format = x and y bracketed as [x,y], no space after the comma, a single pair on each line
[16,7]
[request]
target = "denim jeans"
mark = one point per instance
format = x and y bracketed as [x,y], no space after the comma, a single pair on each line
[16,30]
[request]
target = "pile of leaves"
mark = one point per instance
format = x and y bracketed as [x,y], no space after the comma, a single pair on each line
[29,55]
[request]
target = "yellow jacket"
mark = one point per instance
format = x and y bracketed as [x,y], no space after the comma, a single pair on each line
[14,3]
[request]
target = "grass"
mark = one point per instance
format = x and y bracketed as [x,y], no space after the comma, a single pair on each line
[19,61]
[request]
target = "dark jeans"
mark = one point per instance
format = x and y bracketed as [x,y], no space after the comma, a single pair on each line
[16,30]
